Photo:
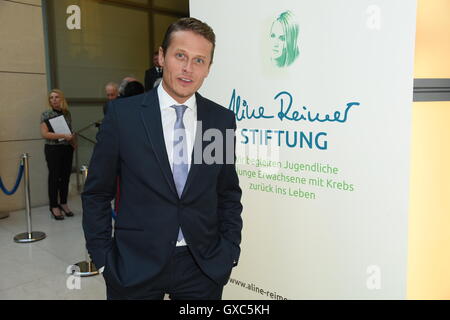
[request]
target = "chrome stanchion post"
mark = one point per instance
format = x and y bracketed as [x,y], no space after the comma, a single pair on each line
[85,268]
[28,236]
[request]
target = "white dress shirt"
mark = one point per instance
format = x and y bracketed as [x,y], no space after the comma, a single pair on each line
[168,119]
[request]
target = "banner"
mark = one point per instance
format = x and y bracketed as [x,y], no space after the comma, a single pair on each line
[322,92]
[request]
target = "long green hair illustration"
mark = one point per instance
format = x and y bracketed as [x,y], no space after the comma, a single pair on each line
[284,38]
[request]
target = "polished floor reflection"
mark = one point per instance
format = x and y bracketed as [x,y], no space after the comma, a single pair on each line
[38,270]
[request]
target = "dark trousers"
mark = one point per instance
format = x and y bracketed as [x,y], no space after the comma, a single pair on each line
[59,163]
[182,279]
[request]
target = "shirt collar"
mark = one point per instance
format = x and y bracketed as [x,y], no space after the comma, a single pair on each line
[166,101]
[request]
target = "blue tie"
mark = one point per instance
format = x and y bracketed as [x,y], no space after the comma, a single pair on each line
[180,158]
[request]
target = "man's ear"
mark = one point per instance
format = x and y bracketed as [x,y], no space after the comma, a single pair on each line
[209,69]
[161,57]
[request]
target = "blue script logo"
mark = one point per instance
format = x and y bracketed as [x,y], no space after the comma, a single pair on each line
[243,110]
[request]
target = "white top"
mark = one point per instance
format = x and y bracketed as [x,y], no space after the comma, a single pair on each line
[168,119]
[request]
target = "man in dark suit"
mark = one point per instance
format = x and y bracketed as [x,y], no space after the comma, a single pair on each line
[179,227]
[153,75]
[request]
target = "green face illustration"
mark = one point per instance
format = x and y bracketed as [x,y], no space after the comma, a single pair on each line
[283,40]
[278,40]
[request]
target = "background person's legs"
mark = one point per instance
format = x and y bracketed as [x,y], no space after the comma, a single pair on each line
[66,169]
[52,156]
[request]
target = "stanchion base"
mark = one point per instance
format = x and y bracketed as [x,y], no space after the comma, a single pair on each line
[29,237]
[85,269]
[4,215]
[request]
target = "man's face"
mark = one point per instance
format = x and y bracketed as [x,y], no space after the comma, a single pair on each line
[111,93]
[186,64]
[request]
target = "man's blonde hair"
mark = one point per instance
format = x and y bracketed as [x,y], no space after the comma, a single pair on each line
[190,24]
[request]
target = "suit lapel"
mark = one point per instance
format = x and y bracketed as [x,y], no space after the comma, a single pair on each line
[203,123]
[151,117]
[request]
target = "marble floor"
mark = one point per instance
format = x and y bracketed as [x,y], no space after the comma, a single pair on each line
[38,270]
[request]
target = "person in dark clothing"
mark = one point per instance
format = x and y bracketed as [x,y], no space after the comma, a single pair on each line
[133,88]
[128,87]
[58,154]
[153,75]
[178,231]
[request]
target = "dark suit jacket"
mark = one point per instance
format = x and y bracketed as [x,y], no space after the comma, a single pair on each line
[150,77]
[130,144]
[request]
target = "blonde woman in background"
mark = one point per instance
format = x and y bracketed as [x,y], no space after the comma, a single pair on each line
[58,154]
